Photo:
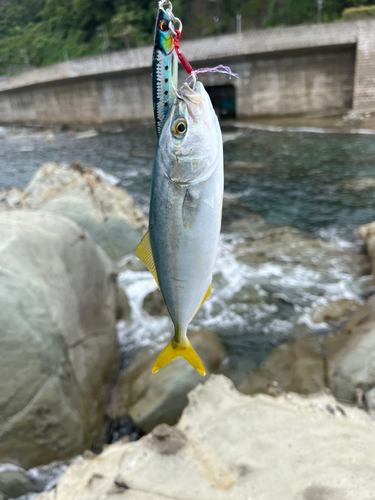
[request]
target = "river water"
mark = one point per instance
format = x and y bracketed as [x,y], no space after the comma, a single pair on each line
[293,203]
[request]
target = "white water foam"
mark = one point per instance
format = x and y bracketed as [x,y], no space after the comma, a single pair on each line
[247,297]
[108,178]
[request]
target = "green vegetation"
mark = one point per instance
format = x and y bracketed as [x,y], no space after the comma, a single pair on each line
[355,13]
[42,32]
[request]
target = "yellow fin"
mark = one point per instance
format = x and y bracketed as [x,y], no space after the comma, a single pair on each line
[205,298]
[144,252]
[175,350]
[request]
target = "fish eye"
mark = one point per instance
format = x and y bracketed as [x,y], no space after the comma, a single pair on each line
[179,128]
[164,25]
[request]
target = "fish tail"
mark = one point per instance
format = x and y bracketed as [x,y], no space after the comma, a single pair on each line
[179,348]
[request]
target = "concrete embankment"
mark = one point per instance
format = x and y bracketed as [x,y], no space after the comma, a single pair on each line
[325,68]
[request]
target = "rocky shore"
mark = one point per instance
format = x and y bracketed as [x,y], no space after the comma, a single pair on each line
[230,446]
[63,241]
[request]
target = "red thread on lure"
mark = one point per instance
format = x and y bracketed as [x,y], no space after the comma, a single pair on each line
[182,58]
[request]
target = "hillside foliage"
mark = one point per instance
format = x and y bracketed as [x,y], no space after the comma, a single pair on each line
[41,32]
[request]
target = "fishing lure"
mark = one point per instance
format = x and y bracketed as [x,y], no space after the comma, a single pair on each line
[164,63]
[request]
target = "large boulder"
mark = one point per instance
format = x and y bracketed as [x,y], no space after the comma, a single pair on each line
[58,345]
[228,446]
[108,213]
[151,399]
[351,354]
[297,366]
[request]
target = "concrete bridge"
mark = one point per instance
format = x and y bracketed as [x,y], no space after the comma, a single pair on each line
[322,69]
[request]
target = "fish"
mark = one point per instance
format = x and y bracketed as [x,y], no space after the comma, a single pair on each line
[181,245]
[164,68]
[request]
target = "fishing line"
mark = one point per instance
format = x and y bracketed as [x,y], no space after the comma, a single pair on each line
[185,63]
[217,69]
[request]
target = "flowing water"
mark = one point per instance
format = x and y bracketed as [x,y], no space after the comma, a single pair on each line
[293,203]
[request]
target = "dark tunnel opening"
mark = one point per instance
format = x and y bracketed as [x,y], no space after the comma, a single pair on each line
[223,99]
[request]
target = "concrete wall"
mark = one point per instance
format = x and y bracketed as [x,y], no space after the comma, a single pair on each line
[364,87]
[306,69]
[95,100]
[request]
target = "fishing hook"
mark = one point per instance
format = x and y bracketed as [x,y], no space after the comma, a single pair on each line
[194,77]
[177,92]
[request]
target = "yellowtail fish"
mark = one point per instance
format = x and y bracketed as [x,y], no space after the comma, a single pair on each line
[164,65]
[185,215]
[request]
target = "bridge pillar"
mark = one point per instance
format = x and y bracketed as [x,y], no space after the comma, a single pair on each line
[364,80]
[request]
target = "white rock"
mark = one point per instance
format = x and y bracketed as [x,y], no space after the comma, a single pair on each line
[228,446]
[108,213]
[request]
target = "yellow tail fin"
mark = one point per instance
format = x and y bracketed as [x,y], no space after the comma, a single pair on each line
[174,350]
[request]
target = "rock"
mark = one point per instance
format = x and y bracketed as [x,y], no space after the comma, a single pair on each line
[14,481]
[370,395]
[11,199]
[132,263]
[351,354]
[367,233]
[151,399]
[334,310]
[87,134]
[123,310]
[228,446]
[296,366]
[154,304]
[108,213]
[354,118]
[50,137]
[251,227]
[284,244]
[343,362]
[360,184]
[49,495]
[58,344]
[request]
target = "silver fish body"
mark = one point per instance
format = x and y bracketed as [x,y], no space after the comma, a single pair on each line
[186,206]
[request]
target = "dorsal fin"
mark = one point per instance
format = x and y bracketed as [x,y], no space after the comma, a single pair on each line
[144,252]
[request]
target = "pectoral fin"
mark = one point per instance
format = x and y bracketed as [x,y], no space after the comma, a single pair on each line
[144,252]
[174,350]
